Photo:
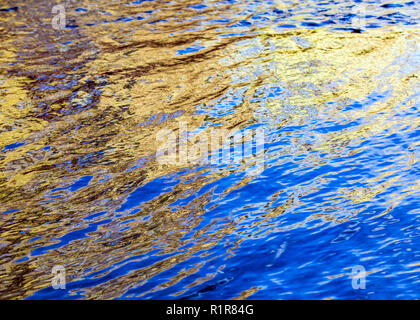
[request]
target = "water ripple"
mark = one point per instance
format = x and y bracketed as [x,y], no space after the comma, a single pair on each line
[80,181]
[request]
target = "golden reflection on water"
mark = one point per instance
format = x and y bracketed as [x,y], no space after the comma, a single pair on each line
[131,83]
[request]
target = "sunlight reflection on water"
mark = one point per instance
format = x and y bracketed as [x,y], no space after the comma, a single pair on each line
[81,187]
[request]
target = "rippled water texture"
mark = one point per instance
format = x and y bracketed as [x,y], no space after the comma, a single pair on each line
[81,187]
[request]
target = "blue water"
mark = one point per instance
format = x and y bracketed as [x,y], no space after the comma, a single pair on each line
[81,185]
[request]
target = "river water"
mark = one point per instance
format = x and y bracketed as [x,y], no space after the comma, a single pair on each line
[333,90]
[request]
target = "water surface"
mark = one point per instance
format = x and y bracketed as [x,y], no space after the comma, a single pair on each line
[81,186]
